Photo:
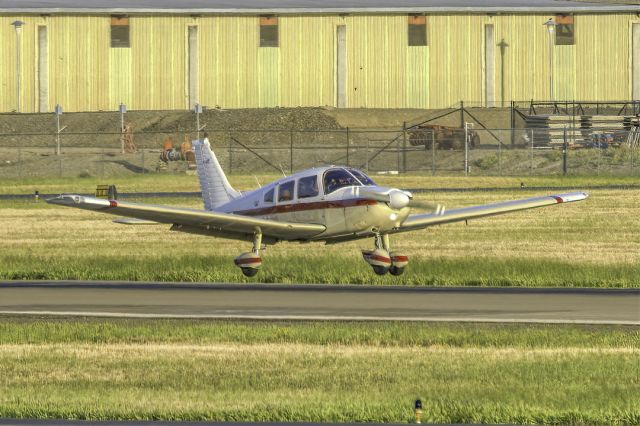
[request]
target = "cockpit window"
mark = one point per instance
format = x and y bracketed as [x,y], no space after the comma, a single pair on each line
[366,180]
[338,178]
[308,187]
[268,197]
[285,191]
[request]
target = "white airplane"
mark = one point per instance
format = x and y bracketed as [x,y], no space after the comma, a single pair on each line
[331,204]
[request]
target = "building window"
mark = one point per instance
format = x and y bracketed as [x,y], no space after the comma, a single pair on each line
[417,30]
[565,30]
[268,31]
[119,31]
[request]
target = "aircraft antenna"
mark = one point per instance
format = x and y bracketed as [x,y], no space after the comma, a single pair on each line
[257,181]
[282,170]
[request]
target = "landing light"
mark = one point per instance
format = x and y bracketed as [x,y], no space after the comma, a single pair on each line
[393,216]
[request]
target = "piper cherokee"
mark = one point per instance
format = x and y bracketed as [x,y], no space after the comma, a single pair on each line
[331,204]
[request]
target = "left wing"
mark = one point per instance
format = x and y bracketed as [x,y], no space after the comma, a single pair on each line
[195,221]
[419,221]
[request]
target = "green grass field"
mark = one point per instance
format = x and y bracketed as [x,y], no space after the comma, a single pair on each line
[310,371]
[595,243]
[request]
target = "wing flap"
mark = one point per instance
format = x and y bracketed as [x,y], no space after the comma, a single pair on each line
[207,220]
[419,221]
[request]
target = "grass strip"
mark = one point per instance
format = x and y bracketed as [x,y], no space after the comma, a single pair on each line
[291,269]
[19,331]
[315,371]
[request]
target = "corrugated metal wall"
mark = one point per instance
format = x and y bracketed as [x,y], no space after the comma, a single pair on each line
[85,73]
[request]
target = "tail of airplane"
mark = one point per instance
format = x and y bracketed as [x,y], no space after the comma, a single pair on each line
[215,187]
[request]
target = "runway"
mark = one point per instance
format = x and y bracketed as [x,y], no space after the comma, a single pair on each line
[320,302]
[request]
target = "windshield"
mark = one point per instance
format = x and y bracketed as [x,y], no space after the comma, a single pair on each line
[366,180]
[338,178]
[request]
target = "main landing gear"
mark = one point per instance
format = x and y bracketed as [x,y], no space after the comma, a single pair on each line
[251,262]
[383,260]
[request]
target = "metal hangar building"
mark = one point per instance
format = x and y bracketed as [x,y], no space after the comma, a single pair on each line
[171,54]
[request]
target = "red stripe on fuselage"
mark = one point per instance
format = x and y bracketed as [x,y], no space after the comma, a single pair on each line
[248,260]
[297,207]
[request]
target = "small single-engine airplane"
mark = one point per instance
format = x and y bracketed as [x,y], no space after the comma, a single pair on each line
[331,204]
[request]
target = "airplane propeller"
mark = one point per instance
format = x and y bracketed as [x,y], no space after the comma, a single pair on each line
[398,199]
[427,205]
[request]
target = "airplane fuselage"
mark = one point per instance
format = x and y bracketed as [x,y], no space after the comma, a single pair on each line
[345,212]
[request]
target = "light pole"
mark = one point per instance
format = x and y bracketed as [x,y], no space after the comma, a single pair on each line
[551,29]
[18,27]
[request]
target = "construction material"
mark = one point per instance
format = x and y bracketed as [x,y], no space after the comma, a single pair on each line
[444,137]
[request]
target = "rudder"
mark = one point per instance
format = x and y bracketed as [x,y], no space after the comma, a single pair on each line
[215,187]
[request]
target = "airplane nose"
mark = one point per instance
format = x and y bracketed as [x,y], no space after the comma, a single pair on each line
[399,199]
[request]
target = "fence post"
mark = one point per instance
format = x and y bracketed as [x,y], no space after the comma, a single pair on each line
[290,152]
[466,149]
[367,162]
[500,157]
[433,153]
[532,136]
[404,147]
[230,156]
[398,159]
[348,143]
[58,113]
[513,123]
[564,151]
[461,113]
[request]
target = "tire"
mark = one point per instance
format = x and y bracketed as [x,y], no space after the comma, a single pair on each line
[249,272]
[380,270]
[394,270]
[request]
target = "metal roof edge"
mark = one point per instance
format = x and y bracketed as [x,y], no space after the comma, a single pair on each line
[330,11]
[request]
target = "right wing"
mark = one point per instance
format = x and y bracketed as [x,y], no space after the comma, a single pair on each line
[419,221]
[195,221]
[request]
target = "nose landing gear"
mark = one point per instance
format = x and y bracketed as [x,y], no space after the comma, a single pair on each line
[382,260]
[250,262]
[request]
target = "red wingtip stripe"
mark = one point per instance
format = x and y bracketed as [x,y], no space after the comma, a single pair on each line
[559,199]
[113,203]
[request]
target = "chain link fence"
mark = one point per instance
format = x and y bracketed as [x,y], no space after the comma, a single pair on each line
[490,152]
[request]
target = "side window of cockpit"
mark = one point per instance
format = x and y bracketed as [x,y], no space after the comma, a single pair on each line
[268,197]
[285,191]
[338,178]
[308,187]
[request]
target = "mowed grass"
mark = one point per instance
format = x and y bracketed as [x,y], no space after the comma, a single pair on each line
[313,371]
[594,243]
[158,182]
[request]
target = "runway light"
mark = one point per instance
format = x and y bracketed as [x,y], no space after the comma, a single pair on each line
[418,411]
[36,196]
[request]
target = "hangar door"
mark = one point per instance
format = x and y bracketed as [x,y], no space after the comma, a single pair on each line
[635,58]
[489,66]
[43,69]
[341,66]
[193,66]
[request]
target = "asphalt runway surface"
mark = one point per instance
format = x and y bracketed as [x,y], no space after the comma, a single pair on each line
[320,302]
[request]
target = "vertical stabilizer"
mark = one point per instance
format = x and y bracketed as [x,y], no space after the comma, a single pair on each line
[215,187]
